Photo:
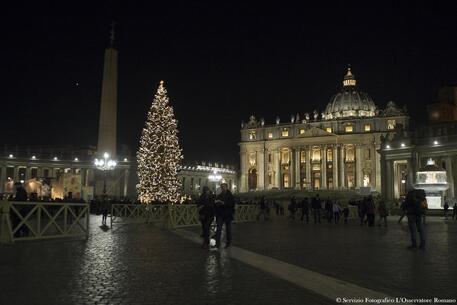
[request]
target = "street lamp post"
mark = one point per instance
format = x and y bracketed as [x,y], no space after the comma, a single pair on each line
[105,165]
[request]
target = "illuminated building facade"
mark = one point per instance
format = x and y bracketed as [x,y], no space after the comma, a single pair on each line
[403,154]
[54,172]
[336,149]
[194,177]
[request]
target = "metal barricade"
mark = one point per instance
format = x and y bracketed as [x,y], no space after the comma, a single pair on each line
[43,220]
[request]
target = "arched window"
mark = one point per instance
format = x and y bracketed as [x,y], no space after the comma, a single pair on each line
[316,154]
[350,154]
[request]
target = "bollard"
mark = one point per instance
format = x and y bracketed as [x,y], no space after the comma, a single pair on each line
[6,234]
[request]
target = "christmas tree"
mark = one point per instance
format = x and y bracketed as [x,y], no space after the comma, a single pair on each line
[159,156]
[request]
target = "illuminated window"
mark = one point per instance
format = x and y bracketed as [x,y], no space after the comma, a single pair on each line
[286,180]
[270,135]
[367,127]
[329,155]
[316,154]
[302,156]
[302,131]
[328,129]
[285,156]
[350,154]
[252,135]
[285,132]
[391,124]
[349,128]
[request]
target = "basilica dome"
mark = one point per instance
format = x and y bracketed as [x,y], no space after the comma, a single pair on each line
[349,102]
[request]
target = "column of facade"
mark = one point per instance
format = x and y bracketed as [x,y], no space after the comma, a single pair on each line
[261,169]
[324,167]
[308,166]
[335,166]
[27,173]
[359,165]
[16,174]
[376,168]
[243,169]
[2,179]
[126,182]
[277,168]
[450,177]
[341,168]
[297,169]
[389,179]
[292,167]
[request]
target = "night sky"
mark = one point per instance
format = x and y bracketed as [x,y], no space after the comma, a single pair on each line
[221,62]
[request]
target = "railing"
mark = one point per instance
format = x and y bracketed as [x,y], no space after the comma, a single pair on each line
[245,213]
[187,215]
[139,213]
[42,220]
[171,216]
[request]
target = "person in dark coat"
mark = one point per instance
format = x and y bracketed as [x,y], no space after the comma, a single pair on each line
[446,209]
[370,211]
[21,195]
[402,210]
[382,210]
[105,208]
[292,208]
[454,211]
[415,204]
[205,206]
[264,210]
[225,209]
[316,205]
[362,209]
[305,209]
[346,214]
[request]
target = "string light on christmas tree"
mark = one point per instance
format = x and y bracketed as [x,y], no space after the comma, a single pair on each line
[159,155]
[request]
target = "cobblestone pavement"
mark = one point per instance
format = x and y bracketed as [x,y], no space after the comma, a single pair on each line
[371,257]
[136,264]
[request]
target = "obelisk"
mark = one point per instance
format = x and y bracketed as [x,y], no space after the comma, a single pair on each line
[107,128]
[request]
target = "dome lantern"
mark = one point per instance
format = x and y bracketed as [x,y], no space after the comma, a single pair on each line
[350,102]
[349,79]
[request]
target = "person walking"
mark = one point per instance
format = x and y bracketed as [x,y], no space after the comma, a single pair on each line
[328,207]
[370,211]
[346,214]
[205,206]
[362,210]
[263,206]
[105,207]
[292,208]
[305,209]
[316,206]
[336,208]
[402,210]
[454,211]
[225,208]
[415,204]
[446,209]
[382,210]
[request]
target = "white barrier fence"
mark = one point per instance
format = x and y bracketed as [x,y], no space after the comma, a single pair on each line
[171,216]
[42,220]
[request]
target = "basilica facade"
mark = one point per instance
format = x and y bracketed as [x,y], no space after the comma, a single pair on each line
[335,149]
